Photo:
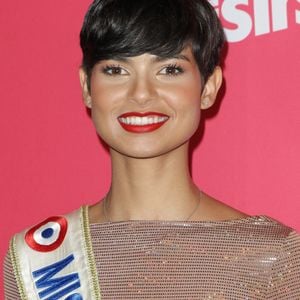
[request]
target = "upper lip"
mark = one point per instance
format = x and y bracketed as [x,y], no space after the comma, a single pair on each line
[142,114]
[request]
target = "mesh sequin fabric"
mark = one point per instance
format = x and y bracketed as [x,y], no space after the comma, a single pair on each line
[251,258]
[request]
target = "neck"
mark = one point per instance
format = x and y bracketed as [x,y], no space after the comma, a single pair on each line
[157,188]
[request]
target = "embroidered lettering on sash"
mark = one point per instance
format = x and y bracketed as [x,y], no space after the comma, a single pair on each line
[53,287]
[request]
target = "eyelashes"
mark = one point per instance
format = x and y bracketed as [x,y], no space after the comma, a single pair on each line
[114,70]
[172,70]
[117,70]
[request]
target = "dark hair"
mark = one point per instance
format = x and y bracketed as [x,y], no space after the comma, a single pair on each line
[127,28]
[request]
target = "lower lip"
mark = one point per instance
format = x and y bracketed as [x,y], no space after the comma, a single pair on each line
[142,128]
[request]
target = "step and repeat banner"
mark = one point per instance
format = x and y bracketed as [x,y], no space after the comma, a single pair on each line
[246,18]
[245,153]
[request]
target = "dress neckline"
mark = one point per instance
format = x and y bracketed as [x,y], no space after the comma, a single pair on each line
[248,219]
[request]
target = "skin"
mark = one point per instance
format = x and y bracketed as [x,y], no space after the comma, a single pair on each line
[145,182]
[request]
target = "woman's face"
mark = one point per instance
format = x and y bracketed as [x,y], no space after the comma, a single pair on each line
[145,106]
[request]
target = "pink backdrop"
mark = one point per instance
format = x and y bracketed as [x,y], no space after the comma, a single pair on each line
[51,159]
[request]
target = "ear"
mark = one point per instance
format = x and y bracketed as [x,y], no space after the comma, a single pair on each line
[87,99]
[211,88]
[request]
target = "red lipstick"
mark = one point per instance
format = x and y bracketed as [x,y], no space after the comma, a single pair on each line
[142,122]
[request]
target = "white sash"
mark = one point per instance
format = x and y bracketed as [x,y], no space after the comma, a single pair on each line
[54,260]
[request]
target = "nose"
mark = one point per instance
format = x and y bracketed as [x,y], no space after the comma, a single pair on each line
[142,90]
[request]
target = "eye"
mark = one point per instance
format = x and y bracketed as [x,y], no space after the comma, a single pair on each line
[171,70]
[114,70]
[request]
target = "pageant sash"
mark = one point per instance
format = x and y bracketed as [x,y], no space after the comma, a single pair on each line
[54,260]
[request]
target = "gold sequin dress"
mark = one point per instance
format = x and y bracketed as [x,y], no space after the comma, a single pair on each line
[251,258]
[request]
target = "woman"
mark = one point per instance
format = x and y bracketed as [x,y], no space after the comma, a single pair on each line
[149,68]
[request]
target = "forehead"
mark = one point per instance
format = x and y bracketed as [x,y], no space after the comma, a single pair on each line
[186,54]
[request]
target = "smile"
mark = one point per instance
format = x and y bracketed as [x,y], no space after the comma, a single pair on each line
[142,122]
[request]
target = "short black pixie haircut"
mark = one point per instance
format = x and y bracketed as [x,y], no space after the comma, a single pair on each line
[126,28]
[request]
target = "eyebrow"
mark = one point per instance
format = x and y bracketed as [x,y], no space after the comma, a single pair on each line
[157,58]
[176,56]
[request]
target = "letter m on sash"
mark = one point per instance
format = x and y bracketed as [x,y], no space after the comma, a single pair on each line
[52,287]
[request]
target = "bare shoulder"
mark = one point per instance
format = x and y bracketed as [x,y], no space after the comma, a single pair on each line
[216,210]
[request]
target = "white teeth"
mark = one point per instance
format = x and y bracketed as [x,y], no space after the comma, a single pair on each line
[149,121]
[143,120]
[138,121]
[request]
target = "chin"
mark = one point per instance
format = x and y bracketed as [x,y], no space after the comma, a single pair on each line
[141,151]
[138,153]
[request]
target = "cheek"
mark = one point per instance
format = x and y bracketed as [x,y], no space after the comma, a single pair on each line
[184,98]
[185,102]
[106,101]
[102,103]
[107,104]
